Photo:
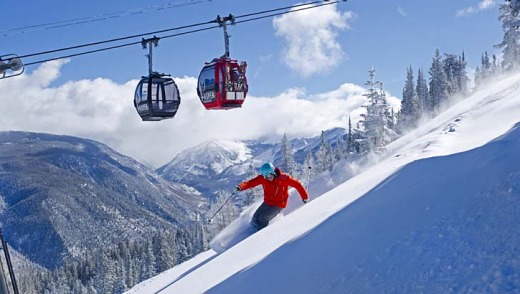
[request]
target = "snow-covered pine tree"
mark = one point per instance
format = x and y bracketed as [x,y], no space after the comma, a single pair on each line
[376,121]
[478,76]
[164,251]
[309,166]
[151,260]
[200,237]
[392,120]
[421,90]
[438,83]
[510,18]
[495,66]
[288,165]
[371,121]
[339,152]
[485,67]
[455,69]
[389,133]
[409,113]
[324,156]
[350,139]
[462,75]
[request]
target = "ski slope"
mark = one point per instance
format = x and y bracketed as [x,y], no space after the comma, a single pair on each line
[438,213]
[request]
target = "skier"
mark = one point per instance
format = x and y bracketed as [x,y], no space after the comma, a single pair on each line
[276,193]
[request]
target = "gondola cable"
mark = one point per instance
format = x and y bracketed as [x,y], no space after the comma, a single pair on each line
[115,47]
[94,18]
[170,29]
[15,64]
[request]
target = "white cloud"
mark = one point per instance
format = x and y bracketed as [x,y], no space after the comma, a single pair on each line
[266,58]
[401,11]
[103,110]
[311,37]
[483,5]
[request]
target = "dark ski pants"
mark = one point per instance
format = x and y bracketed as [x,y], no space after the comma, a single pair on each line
[264,214]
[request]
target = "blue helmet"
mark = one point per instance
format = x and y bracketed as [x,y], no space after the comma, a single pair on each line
[267,169]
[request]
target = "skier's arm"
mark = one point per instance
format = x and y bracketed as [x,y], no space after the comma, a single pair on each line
[299,187]
[251,183]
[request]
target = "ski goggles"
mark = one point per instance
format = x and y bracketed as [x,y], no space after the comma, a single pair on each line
[267,175]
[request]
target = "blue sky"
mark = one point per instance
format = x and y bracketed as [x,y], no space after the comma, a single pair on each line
[387,34]
[306,70]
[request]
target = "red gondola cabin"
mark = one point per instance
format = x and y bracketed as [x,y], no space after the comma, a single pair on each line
[222,84]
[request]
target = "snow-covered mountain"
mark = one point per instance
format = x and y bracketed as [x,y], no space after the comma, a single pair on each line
[209,159]
[218,165]
[437,214]
[61,196]
[212,166]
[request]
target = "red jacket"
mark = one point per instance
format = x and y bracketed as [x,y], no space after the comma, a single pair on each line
[276,192]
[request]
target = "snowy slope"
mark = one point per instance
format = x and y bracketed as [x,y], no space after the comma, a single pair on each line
[439,213]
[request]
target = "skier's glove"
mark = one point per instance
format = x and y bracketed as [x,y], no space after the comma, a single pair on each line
[237,188]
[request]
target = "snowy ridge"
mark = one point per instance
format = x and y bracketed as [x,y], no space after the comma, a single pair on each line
[62,196]
[213,156]
[438,214]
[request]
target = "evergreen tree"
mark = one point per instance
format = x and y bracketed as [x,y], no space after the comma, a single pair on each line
[389,133]
[438,83]
[485,70]
[309,166]
[409,113]
[163,250]
[478,76]
[377,119]
[200,238]
[288,163]
[449,65]
[423,96]
[371,120]
[455,69]
[495,66]
[350,139]
[485,66]
[392,120]
[510,18]
[338,151]
[463,79]
[324,156]
[149,265]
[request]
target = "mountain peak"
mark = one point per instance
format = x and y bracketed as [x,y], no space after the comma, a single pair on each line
[210,157]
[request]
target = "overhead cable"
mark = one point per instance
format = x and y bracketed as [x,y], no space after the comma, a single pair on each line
[95,18]
[295,8]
